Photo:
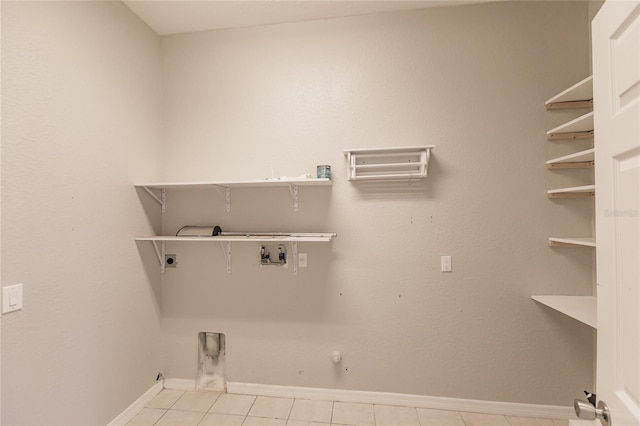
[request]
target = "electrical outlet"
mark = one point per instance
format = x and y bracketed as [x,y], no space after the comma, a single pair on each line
[302,260]
[445,263]
[170,261]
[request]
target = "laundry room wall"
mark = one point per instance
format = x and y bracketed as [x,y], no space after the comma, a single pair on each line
[81,123]
[278,100]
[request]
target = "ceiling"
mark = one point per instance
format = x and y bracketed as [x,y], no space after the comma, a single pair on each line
[182,16]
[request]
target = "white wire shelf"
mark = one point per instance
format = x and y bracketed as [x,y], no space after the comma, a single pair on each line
[292,183]
[256,183]
[299,237]
[160,243]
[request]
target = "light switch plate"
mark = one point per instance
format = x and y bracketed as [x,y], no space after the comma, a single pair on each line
[445,263]
[302,260]
[11,298]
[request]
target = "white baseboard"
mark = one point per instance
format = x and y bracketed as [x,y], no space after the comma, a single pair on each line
[434,402]
[130,412]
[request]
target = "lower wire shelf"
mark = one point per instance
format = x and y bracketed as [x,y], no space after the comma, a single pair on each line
[159,243]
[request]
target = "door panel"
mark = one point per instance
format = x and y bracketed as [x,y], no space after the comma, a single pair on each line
[616,82]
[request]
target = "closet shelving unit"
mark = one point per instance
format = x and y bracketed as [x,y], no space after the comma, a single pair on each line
[159,242]
[580,95]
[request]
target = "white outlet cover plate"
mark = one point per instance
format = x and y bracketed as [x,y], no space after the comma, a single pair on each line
[302,260]
[11,298]
[445,263]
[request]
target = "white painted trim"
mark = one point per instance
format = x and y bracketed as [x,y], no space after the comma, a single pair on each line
[130,412]
[421,401]
[577,422]
[180,384]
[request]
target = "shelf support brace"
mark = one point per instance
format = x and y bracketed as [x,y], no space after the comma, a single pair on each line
[161,200]
[294,250]
[160,252]
[294,194]
[226,249]
[227,196]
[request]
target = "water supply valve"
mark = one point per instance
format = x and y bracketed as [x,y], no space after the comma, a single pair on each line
[267,259]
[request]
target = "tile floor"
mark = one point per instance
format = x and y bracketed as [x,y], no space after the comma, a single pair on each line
[197,408]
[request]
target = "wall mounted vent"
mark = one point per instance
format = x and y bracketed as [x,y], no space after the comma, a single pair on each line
[388,163]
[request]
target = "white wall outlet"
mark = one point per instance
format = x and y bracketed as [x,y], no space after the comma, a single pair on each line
[445,263]
[302,260]
[11,298]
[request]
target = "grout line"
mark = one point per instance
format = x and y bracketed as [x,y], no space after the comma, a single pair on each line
[290,410]
[249,411]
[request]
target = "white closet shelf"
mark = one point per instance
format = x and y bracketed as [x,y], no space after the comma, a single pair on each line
[586,191]
[581,308]
[160,244]
[291,183]
[579,128]
[579,160]
[580,95]
[571,242]
[239,183]
[299,237]
[398,163]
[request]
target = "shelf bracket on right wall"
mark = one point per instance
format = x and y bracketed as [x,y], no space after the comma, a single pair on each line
[161,199]
[226,249]
[160,252]
[294,194]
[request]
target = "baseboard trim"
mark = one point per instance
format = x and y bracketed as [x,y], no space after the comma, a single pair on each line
[386,398]
[130,412]
[180,384]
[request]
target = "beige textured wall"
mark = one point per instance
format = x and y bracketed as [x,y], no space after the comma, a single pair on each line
[81,122]
[471,80]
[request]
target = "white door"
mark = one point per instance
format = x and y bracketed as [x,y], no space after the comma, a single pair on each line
[616,82]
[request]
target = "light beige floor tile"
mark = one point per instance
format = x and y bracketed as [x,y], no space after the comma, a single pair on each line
[529,421]
[430,417]
[233,404]
[561,422]
[311,411]
[275,408]
[476,419]
[165,399]
[263,421]
[146,417]
[196,401]
[180,418]
[351,413]
[305,423]
[388,415]
[214,419]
